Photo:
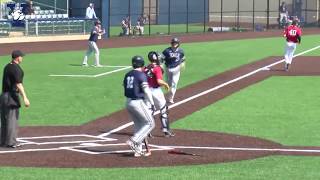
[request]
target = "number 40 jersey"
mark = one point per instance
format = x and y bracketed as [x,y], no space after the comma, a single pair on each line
[292,33]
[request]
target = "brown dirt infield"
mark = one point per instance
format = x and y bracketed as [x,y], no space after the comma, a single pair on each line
[57,151]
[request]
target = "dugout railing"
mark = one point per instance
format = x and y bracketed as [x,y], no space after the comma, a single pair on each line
[40,27]
[58,26]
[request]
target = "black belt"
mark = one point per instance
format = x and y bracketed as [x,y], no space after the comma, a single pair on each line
[171,67]
[136,98]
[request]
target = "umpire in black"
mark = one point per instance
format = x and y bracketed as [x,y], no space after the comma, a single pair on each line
[9,100]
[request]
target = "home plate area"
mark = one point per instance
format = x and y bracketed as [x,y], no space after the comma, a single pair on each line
[59,142]
[120,148]
[82,143]
[186,148]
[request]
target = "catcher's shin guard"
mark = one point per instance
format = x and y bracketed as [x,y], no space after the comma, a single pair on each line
[164,118]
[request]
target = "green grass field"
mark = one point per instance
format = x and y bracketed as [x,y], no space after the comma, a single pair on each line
[282,109]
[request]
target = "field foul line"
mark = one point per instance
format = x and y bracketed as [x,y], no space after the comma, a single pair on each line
[121,68]
[27,140]
[245,149]
[87,145]
[116,66]
[61,148]
[59,136]
[110,72]
[211,90]
[161,148]
[71,75]
[66,142]
[110,152]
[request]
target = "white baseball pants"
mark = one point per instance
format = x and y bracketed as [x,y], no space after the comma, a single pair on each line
[142,118]
[161,104]
[289,51]
[173,76]
[92,47]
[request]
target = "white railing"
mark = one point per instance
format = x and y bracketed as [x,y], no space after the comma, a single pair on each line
[35,26]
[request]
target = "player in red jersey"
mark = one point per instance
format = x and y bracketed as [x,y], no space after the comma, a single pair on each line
[293,36]
[155,80]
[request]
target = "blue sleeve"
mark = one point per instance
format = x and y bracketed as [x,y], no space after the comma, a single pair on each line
[143,78]
[182,53]
[165,53]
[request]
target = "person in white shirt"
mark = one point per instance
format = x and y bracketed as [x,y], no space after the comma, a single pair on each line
[283,10]
[90,13]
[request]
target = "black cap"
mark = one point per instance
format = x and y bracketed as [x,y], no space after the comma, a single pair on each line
[16,53]
[294,22]
[137,62]
[97,22]
[175,40]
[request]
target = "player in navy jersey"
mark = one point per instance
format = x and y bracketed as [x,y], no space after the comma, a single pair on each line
[92,45]
[137,91]
[174,60]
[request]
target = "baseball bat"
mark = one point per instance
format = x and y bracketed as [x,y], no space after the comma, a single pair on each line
[146,144]
[179,152]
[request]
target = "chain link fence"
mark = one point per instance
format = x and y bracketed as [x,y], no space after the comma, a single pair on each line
[187,16]
[43,18]
[163,16]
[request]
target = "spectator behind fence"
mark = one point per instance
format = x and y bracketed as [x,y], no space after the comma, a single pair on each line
[29,8]
[283,10]
[126,26]
[3,8]
[90,13]
[142,20]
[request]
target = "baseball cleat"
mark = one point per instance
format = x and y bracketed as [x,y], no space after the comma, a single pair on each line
[286,67]
[134,147]
[14,146]
[169,134]
[85,65]
[150,135]
[98,65]
[146,154]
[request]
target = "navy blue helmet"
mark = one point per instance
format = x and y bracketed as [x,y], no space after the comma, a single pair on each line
[137,62]
[153,56]
[175,40]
